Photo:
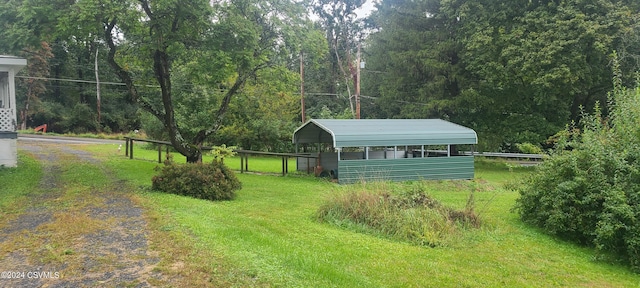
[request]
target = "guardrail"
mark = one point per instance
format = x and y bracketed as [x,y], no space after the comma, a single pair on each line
[537,157]
[521,156]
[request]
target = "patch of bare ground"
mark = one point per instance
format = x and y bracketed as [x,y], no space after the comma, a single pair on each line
[98,237]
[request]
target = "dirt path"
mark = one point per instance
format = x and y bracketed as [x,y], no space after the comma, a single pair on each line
[75,236]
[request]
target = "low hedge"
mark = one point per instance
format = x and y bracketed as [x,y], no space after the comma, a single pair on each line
[212,181]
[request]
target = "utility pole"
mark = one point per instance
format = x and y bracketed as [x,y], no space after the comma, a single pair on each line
[358,85]
[302,87]
[98,90]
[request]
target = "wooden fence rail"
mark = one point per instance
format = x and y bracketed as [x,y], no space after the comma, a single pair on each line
[244,154]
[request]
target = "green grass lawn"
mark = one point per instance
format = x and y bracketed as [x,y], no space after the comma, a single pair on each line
[270,234]
[17,183]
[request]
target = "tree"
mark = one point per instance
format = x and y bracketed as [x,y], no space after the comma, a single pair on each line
[541,61]
[26,29]
[265,113]
[343,32]
[37,67]
[516,71]
[416,52]
[153,40]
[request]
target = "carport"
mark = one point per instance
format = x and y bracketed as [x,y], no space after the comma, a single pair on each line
[386,149]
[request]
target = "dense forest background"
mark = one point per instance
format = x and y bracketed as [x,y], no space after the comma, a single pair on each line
[516,71]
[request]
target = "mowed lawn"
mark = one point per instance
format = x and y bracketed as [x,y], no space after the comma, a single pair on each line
[270,235]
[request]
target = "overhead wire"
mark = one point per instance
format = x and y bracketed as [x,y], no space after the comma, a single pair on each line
[157,86]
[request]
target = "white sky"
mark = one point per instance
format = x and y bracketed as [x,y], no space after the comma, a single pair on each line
[366,9]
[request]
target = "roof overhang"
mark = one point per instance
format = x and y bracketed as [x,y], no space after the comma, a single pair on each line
[383,132]
[14,63]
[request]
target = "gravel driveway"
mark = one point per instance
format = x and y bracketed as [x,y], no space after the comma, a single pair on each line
[94,239]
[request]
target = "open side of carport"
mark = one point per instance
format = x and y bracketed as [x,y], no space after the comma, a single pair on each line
[386,149]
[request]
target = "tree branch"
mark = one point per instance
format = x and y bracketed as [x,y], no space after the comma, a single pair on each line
[224,105]
[123,74]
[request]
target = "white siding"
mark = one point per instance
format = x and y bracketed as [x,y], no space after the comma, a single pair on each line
[8,152]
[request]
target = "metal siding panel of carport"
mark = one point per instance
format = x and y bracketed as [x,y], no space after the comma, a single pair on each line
[433,168]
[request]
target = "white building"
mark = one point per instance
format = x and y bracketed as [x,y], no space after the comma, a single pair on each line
[9,67]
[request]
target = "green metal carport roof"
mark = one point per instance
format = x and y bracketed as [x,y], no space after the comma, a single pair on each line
[383,132]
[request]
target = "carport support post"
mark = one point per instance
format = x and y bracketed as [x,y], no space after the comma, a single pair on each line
[449,150]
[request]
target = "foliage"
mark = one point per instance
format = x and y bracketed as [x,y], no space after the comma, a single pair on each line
[139,43]
[38,67]
[245,38]
[335,79]
[588,191]
[213,181]
[515,71]
[153,127]
[80,120]
[222,152]
[264,113]
[409,215]
[529,148]
[540,62]
[417,51]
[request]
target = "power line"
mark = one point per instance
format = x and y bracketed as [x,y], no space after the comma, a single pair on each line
[221,90]
[73,80]
[323,94]
[101,83]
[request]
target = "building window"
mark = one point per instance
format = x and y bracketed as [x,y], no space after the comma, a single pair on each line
[4,90]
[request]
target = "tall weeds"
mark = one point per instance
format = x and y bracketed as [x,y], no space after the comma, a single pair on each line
[404,212]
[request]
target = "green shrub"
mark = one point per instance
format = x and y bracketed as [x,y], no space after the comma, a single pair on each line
[529,148]
[588,191]
[213,181]
[408,215]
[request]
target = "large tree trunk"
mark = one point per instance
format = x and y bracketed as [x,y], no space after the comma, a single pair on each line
[161,66]
[195,158]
